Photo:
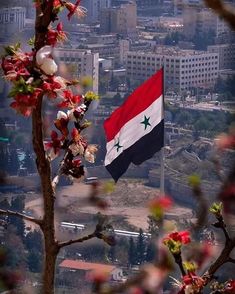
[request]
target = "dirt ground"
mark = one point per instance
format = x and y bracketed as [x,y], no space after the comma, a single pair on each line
[130,200]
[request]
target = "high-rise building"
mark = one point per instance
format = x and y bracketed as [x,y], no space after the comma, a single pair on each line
[12,20]
[203,21]
[81,63]
[146,3]
[183,69]
[121,20]
[93,9]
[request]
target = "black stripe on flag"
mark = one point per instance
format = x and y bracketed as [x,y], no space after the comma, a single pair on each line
[140,151]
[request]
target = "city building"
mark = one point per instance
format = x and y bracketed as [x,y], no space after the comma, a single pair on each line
[146,3]
[203,21]
[12,20]
[93,9]
[226,55]
[80,63]
[121,20]
[184,69]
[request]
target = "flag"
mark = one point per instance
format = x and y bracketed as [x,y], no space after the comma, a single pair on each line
[135,130]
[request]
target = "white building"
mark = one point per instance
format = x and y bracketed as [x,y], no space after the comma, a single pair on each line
[12,20]
[184,69]
[81,62]
[226,55]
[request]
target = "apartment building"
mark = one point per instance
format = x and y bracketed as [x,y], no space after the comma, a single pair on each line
[184,69]
[121,20]
[94,8]
[12,20]
[226,55]
[81,63]
[203,21]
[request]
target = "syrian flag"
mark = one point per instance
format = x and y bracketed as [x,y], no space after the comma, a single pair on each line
[135,131]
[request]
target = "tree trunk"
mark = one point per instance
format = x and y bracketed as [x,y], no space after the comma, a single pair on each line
[43,19]
[49,268]
[48,226]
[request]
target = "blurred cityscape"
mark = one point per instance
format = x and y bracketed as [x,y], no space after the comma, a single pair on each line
[120,44]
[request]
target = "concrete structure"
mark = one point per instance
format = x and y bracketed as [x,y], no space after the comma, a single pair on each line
[93,9]
[81,62]
[146,3]
[203,21]
[226,55]
[12,20]
[121,20]
[184,69]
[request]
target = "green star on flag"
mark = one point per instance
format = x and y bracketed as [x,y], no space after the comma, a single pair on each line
[118,146]
[146,122]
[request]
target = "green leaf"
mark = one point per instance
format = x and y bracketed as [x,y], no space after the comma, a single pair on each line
[90,96]
[31,41]
[189,266]
[216,208]
[194,180]
[12,49]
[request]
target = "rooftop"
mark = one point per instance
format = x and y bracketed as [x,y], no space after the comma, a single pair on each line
[86,266]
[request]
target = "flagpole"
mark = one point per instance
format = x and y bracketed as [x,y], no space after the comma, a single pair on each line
[162,154]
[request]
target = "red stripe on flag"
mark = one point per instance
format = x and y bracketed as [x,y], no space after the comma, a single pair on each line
[137,102]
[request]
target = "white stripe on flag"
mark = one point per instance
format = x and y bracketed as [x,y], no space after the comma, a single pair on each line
[133,130]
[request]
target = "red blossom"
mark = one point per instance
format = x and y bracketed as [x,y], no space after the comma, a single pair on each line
[230,287]
[55,143]
[56,4]
[54,36]
[24,103]
[70,100]
[73,8]
[62,126]
[15,66]
[182,237]
[75,135]
[51,86]
[97,277]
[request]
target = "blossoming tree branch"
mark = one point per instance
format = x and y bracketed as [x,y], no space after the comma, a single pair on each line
[34,80]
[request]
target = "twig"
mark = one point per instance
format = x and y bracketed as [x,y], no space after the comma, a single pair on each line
[21,215]
[79,240]
[179,262]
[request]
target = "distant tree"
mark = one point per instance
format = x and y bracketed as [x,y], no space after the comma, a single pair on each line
[150,251]
[34,261]
[29,162]
[131,252]
[140,247]
[34,242]
[15,249]
[13,164]
[4,204]
[18,204]
[112,253]
[153,227]
[4,159]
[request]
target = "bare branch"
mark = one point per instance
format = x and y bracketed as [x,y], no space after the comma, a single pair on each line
[224,11]
[232,260]
[79,240]
[21,215]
